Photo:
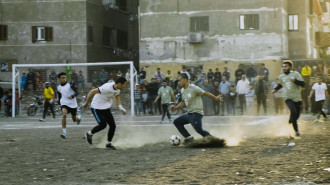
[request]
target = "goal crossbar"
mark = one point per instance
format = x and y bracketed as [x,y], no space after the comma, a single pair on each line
[15,74]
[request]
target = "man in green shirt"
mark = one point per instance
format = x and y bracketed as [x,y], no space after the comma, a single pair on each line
[292,82]
[165,93]
[191,97]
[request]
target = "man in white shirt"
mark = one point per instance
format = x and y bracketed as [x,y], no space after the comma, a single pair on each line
[242,89]
[67,93]
[101,105]
[321,92]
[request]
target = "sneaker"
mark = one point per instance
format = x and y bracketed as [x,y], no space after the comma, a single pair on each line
[79,120]
[161,121]
[110,146]
[297,134]
[89,138]
[63,135]
[188,140]
[42,120]
[169,121]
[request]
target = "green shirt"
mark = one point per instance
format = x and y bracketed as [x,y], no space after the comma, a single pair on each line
[192,98]
[67,70]
[165,94]
[291,90]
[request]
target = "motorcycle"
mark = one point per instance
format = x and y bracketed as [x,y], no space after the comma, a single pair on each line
[38,105]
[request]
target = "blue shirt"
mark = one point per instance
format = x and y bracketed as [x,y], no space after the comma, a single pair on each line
[224,87]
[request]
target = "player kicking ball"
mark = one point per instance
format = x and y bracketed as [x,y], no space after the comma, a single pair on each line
[191,97]
[101,105]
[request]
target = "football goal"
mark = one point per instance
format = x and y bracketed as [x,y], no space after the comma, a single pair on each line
[28,81]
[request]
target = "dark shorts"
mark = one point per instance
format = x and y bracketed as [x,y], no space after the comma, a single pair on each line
[72,111]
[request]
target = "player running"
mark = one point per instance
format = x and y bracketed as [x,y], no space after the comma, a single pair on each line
[101,105]
[191,97]
[67,93]
[291,81]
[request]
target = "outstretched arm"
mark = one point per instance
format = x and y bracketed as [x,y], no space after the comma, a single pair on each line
[90,96]
[210,95]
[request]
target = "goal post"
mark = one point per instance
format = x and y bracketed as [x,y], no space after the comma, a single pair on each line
[90,72]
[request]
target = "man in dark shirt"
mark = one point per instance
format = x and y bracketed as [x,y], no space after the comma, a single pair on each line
[251,73]
[217,75]
[142,75]
[152,89]
[238,73]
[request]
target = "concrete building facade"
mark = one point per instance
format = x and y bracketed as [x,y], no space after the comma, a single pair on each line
[57,31]
[224,33]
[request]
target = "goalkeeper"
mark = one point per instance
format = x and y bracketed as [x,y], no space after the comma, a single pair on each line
[101,105]
[49,101]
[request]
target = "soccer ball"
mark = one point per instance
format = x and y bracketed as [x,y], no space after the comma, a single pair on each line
[175,140]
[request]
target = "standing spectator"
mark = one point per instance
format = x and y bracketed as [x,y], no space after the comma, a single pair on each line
[291,81]
[74,77]
[159,75]
[210,76]
[261,91]
[226,73]
[224,91]
[250,95]
[95,79]
[112,77]
[242,89]
[305,91]
[238,73]
[165,93]
[7,99]
[278,97]
[103,76]
[232,100]
[312,99]
[263,71]
[169,78]
[321,95]
[81,80]
[145,103]
[1,95]
[217,75]
[306,72]
[201,77]
[328,87]
[319,71]
[30,80]
[137,100]
[193,77]
[53,81]
[216,104]
[207,102]
[152,89]
[251,73]
[68,70]
[127,75]
[23,81]
[142,75]
[49,97]
[38,81]
[184,70]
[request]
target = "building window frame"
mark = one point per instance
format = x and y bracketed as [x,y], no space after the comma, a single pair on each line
[90,34]
[199,24]
[293,22]
[3,32]
[42,33]
[249,22]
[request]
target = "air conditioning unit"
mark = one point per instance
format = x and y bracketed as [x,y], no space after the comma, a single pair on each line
[196,37]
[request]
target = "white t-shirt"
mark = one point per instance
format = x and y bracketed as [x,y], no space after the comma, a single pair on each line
[103,100]
[66,91]
[243,86]
[319,91]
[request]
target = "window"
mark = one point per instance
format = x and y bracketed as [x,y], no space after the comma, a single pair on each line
[122,37]
[249,22]
[109,37]
[3,32]
[90,34]
[41,33]
[293,22]
[198,24]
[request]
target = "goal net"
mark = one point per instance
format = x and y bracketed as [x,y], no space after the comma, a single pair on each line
[28,81]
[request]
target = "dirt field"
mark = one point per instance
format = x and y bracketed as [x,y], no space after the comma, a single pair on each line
[40,156]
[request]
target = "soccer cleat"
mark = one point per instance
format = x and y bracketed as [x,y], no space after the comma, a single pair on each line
[110,146]
[297,134]
[42,120]
[89,138]
[63,135]
[79,120]
[170,121]
[161,121]
[188,140]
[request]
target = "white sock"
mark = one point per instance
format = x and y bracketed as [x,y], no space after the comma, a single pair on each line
[90,133]
[108,142]
[64,130]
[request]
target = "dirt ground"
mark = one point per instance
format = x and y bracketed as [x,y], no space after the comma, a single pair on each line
[39,156]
